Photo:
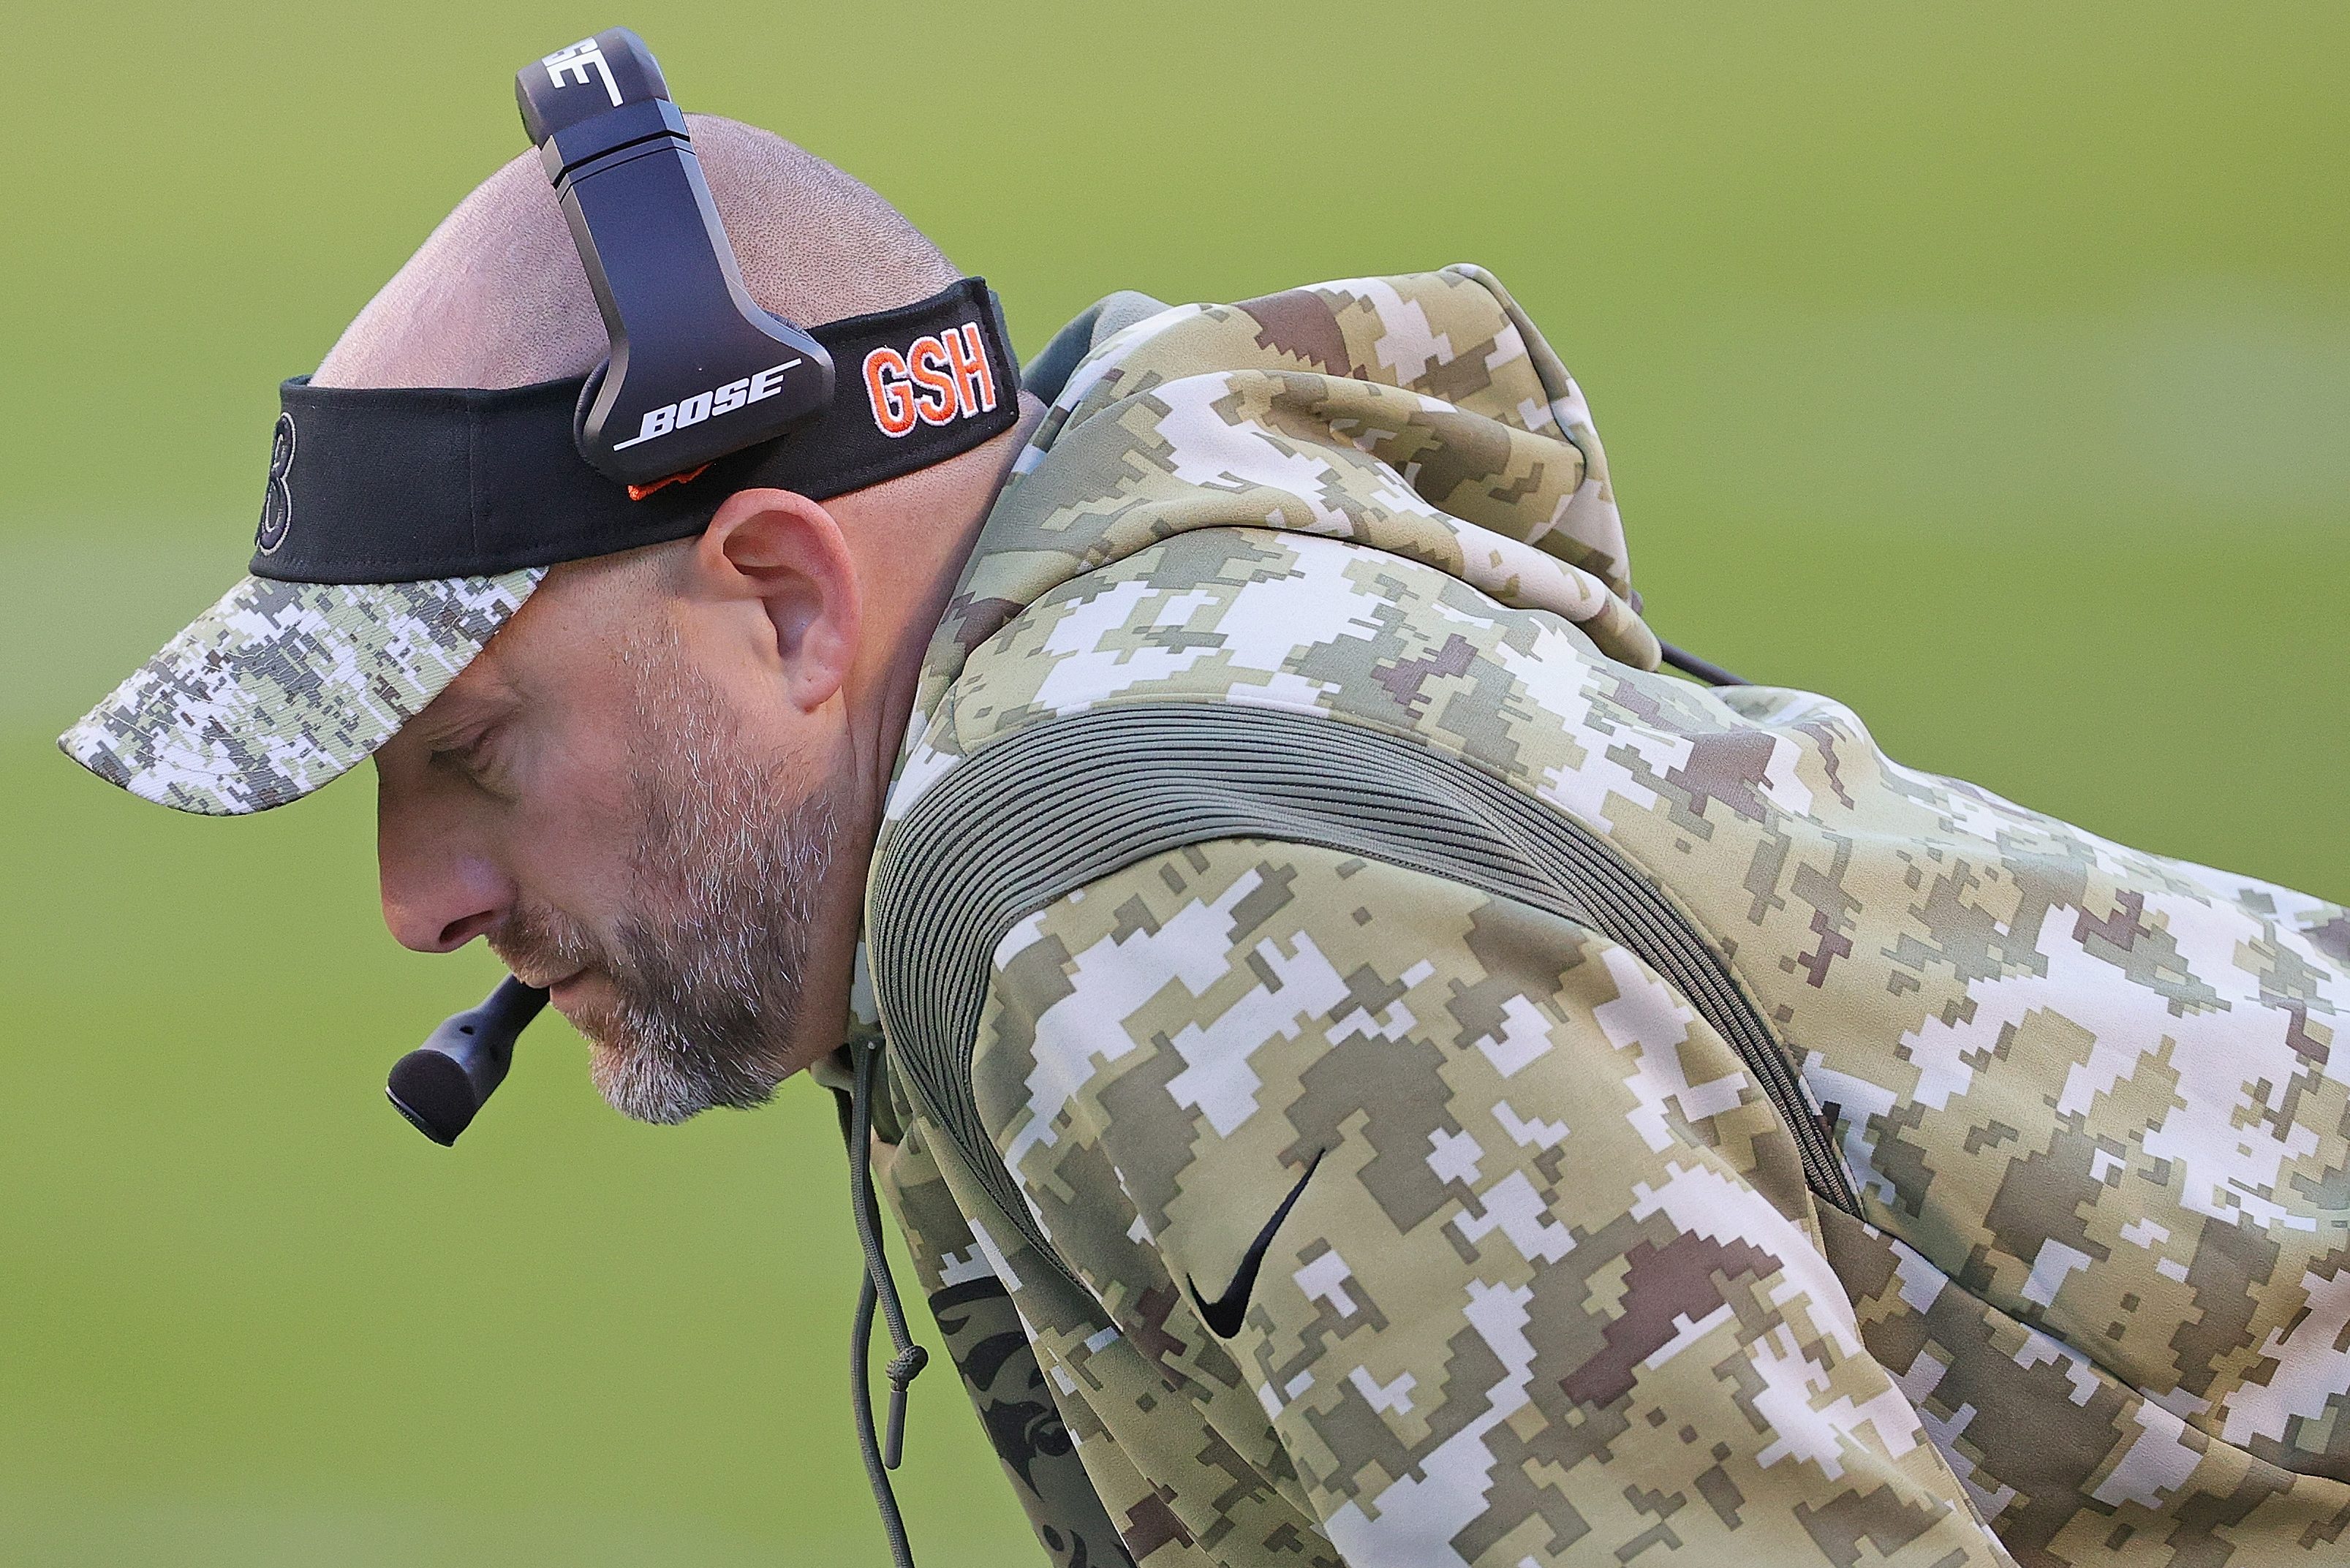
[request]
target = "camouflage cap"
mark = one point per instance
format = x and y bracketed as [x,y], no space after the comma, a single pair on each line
[283,687]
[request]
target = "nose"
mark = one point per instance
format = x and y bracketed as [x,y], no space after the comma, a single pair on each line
[441,888]
[418,925]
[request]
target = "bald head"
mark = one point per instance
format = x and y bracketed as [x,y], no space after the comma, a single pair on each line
[497,297]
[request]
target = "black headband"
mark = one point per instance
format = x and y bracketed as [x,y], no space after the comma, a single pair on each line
[391,485]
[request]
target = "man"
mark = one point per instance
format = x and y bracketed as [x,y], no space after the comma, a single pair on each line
[1375,1072]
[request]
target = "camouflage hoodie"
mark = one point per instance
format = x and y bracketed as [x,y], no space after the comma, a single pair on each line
[1381,1075]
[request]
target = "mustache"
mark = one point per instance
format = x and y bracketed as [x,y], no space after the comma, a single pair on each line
[539,946]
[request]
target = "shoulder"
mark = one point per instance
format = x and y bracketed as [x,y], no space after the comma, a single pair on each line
[1271,619]
[1189,991]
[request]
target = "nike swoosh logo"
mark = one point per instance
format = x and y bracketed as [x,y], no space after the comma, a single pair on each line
[1223,1314]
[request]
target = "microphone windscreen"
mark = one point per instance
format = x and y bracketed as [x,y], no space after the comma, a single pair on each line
[432,1092]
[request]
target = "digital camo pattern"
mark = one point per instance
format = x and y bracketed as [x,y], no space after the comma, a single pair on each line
[283,687]
[990,1347]
[1549,1293]
[2090,1098]
[1423,415]
[1167,1484]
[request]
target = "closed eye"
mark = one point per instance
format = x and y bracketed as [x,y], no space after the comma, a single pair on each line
[476,756]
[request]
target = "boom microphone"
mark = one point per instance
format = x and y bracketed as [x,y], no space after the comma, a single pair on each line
[443,1083]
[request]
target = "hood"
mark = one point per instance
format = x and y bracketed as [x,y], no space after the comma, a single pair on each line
[1421,414]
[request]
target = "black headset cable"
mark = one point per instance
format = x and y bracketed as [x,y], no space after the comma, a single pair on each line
[1704,670]
[879,1287]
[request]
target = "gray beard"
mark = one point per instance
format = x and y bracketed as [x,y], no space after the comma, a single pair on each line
[708,967]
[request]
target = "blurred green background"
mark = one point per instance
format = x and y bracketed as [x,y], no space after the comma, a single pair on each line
[1987,367]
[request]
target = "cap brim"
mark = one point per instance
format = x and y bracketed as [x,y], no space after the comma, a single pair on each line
[281,687]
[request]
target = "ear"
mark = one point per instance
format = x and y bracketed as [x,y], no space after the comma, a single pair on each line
[783,555]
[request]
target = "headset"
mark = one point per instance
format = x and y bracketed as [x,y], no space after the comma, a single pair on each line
[683,329]
[680,323]
[697,372]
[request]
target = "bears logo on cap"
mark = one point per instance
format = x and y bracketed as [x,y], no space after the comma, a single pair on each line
[278,500]
[937,380]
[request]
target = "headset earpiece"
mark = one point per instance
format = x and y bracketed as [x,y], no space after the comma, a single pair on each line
[697,369]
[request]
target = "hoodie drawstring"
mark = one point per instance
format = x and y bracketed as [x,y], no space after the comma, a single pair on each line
[879,1287]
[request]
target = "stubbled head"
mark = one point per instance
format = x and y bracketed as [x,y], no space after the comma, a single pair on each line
[655,788]
[497,297]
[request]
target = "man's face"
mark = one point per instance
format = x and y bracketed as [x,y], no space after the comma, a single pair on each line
[618,804]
